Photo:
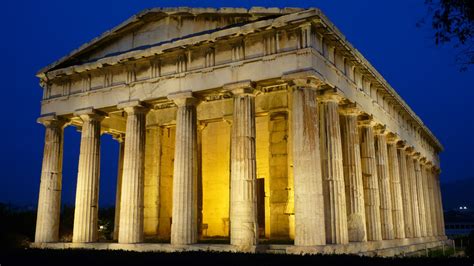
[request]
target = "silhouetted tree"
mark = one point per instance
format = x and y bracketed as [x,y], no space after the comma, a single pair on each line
[453,22]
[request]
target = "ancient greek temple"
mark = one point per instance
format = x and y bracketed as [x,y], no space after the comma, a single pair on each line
[250,126]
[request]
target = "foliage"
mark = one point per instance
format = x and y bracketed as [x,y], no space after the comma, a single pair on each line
[470,247]
[453,22]
[16,226]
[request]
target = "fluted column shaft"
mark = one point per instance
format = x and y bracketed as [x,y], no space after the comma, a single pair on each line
[384,186]
[442,231]
[414,196]
[333,173]
[243,209]
[184,224]
[118,191]
[370,179]
[421,197]
[426,196]
[131,203]
[436,207]
[354,187]
[406,193]
[432,203]
[308,184]
[87,192]
[49,201]
[395,191]
[437,204]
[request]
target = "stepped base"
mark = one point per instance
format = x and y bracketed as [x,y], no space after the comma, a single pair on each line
[385,248]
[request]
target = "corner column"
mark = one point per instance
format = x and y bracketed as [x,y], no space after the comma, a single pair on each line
[49,201]
[333,173]
[131,203]
[395,188]
[87,191]
[370,180]
[184,229]
[381,156]
[243,194]
[441,231]
[308,183]
[354,187]
[405,189]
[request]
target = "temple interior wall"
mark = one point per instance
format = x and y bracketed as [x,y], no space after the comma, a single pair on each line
[215,158]
[272,140]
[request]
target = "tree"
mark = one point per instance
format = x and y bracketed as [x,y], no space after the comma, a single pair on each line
[453,22]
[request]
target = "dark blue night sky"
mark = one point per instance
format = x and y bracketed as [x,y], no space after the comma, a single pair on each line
[36,33]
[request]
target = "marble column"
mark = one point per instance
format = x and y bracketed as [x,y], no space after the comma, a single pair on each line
[131,203]
[370,180]
[243,193]
[432,203]
[381,156]
[421,195]
[184,223]
[118,192]
[436,208]
[353,175]
[49,201]
[426,196]
[308,183]
[395,188]
[87,192]
[414,193]
[332,169]
[440,204]
[406,191]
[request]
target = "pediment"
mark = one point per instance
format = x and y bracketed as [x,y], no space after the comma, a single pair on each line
[156,26]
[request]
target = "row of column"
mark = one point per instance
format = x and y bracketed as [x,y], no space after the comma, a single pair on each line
[373,186]
[130,187]
[352,182]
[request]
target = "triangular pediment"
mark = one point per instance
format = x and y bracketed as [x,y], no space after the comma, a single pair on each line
[156,26]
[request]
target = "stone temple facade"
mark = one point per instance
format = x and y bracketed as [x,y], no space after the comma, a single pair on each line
[249,125]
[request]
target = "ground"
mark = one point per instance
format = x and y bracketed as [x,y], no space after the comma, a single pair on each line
[88,257]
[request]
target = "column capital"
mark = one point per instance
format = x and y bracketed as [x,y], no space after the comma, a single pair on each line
[51,120]
[330,95]
[90,114]
[134,106]
[350,109]
[402,145]
[366,120]
[428,164]
[423,160]
[303,79]
[245,87]
[416,155]
[410,150]
[392,138]
[380,129]
[185,98]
